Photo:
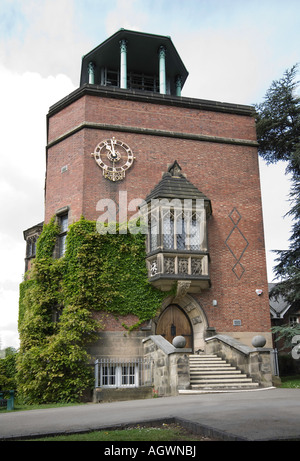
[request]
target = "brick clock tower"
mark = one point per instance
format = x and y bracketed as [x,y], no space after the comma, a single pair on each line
[127,133]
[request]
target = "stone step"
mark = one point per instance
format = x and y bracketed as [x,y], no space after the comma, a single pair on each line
[220,380]
[217,372]
[204,356]
[198,358]
[213,369]
[227,386]
[209,363]
[208,371]
[205,359]
[212,364]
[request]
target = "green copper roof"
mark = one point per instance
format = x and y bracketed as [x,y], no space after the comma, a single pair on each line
[142,56]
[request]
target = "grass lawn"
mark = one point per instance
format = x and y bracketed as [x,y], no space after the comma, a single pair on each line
[290,381]
[161,433]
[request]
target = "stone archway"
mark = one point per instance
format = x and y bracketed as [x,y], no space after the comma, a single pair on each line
[195,314]
[173,322]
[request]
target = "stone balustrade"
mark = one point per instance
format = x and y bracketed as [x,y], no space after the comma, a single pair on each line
[170,365]
[254,361]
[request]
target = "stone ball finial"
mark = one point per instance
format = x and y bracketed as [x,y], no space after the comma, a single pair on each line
[179,341]
[258,341]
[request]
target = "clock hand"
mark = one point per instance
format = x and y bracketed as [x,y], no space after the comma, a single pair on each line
[112,148]
[113,153]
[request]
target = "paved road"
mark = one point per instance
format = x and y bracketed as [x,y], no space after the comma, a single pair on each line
[272,414]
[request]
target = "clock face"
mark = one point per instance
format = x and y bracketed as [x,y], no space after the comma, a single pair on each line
[114,157]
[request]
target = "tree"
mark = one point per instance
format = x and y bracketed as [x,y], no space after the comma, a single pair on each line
[8,369]
[278,122]
[278,133]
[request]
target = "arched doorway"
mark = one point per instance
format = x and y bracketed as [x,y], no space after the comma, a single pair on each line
[174,322]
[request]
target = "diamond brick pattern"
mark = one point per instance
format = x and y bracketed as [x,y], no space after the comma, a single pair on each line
[237,243]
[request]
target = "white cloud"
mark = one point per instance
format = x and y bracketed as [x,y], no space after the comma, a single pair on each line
[228,65]
[275,188]
[127,14]
[25,100]
[46,38]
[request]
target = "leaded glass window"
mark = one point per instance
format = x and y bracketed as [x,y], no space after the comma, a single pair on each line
[180,232]
[154,230]
[195,242]
[168,230]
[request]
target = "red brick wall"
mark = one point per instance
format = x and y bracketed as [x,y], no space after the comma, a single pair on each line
[226,173]
[149,115]
[170,118]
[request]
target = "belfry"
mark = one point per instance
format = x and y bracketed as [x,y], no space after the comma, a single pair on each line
[189,168]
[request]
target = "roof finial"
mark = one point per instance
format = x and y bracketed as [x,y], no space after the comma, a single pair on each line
[175,169]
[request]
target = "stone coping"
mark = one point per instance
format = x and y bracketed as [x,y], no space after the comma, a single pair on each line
[238,345]
[155,98]
[166,346]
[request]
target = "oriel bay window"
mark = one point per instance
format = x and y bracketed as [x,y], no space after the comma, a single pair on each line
[177,248]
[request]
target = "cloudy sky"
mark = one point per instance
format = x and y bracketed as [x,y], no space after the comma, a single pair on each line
[232,49]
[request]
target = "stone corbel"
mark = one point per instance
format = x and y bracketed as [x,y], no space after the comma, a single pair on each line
[182,288]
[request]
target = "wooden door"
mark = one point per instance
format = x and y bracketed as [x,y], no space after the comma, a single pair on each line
[174,322]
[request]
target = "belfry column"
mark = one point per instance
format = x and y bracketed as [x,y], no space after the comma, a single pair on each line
[178,84]
[123,64]
[162,70]
[91,72]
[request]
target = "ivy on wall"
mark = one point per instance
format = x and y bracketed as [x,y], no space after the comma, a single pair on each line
[99,272]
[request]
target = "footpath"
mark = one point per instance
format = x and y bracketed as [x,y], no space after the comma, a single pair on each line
[258,415]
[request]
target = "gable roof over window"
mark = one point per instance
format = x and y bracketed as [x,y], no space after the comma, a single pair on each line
[175,185]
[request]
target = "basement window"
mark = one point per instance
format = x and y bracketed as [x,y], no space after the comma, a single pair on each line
[119,375]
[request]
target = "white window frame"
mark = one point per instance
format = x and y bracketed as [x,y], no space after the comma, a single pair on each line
[115,375]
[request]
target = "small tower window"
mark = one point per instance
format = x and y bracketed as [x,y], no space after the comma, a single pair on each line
[31,236]
[63,234]
[63,222]
[31,247]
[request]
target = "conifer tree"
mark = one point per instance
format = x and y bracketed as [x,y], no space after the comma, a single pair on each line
[278,133]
